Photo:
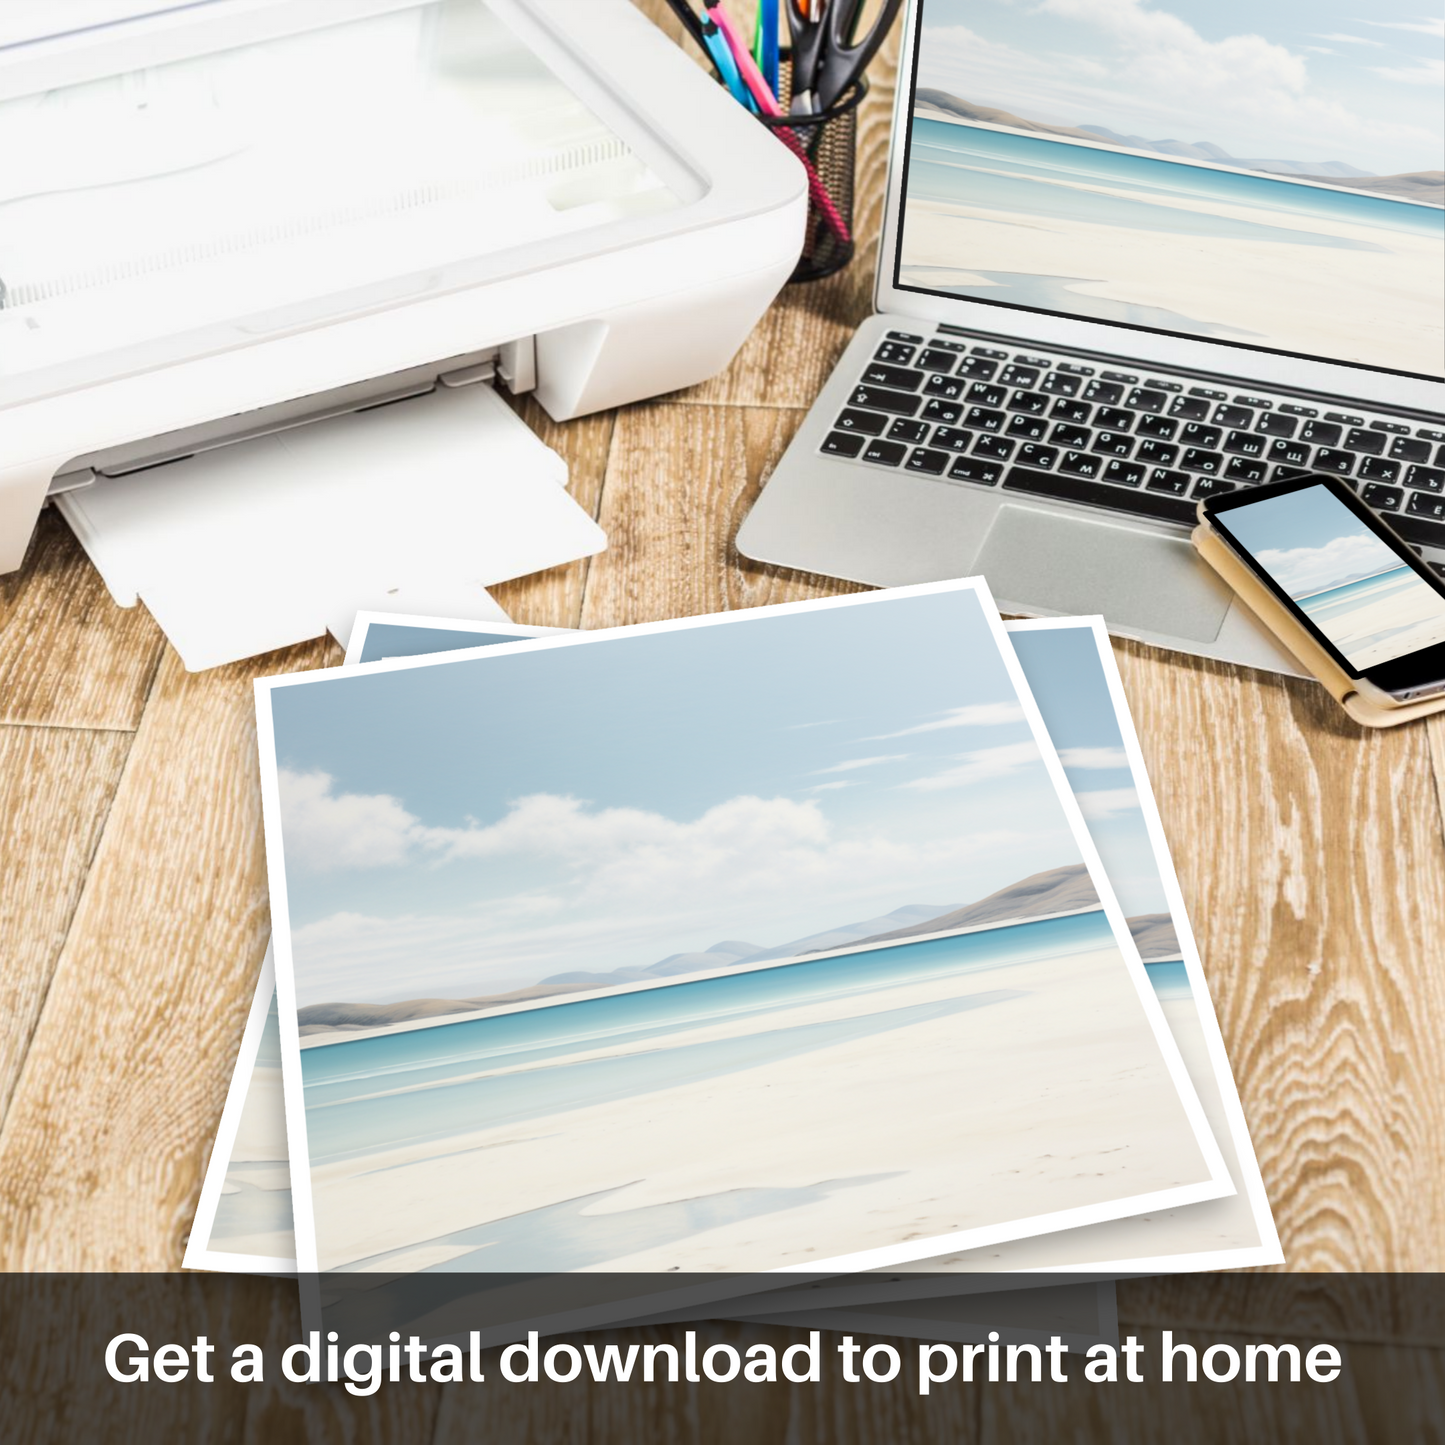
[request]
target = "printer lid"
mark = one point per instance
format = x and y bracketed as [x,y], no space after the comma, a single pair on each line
[182,178]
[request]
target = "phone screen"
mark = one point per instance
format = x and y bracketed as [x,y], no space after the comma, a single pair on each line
[1363,598]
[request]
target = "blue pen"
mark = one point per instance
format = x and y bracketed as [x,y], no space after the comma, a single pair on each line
[727,67]
[768,29]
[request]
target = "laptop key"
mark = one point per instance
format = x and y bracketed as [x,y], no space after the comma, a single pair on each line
[1241,469]
[867,422]
[1403,449]
[1060,383]
[1113,418]
[1292,454]
[1161,479]
[1233,416]
[1419,530]
[1107,392]
[1035,403]
[906,430]
[1015,375]
[1290,474]
[878,398]
[895,353]
[1377,469]
[935,360]
[1189,408]
[983,394]
[1427,479]
[843,444]
[886,454]
[1144,398]
[1212,486]
[1077,411]
[1324,433]
[993,447]
[905,379]
[1272,424]
[970,469]
[953,438]
[1162,427]
[1426,504]
[1036,456]
[992,352]
[1328,459]
[1384,499]
[1081,464]
[1124,474]
[1070,436]
[1113,444]
[905,336]
[1208,393]
[1245,444]
[1370,442]
[1195,435]
[948,387]
[1070,488]
[924,459]
[977,368]
[1156,454]
[982,419]
[1030,427]
[935,409]
[1196,459]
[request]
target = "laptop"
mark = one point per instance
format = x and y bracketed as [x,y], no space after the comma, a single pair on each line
[1133,254]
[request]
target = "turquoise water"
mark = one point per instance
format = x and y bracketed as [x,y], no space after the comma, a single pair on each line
[1169,978]
[420,1086]
[1336,600]
[952,163]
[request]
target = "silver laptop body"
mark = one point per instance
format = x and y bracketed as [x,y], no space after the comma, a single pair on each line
[977,467]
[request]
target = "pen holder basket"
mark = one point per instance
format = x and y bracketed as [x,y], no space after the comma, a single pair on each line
[828,143]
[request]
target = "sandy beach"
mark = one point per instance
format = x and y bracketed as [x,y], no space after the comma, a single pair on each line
[1050,1094]
[1374,628]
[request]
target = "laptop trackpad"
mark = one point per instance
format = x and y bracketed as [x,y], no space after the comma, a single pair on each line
[1062,564]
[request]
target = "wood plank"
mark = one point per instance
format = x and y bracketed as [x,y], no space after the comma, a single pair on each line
[69,657]
[679,482]
[1311,859]
[56,786]
[554,598]
[102,1150]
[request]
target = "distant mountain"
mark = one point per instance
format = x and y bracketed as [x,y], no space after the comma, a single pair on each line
[1154,936]
[1058,890]
[327,1018]
[1428,186]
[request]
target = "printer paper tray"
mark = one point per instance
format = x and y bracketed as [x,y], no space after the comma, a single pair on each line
[417,506]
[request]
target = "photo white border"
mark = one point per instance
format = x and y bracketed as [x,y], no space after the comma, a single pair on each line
[1217,1185]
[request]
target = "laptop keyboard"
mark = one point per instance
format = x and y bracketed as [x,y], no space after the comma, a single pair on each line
[1051,425]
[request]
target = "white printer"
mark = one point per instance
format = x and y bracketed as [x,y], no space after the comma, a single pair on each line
[226,219]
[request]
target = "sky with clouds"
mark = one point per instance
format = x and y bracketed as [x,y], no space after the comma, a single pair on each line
[1309,540]
[654,794]
[1302,80]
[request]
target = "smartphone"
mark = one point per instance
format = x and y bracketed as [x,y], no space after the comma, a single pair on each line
[1360,591]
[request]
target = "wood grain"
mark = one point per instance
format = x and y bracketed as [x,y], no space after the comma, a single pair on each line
[103,1147]
[1311,859]
[69,657]
[56,786]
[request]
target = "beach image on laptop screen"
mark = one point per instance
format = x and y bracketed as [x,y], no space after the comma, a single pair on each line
[1372,606]
[1263,175]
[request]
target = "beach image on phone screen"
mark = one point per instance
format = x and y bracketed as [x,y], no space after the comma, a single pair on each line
[1371,605]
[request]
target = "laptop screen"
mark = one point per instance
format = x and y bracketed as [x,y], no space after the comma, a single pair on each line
[1263,175]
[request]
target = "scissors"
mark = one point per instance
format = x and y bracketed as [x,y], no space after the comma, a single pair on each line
[828,56]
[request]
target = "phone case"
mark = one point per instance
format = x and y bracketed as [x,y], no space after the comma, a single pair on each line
[1263,603]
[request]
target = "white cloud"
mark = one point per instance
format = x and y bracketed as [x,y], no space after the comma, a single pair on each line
[834,786]
[1300,570]
[326,830]
[1094,757]
[981,764]
[1423,72]
[976,715]
[852,763]
[1352,40]
[1107,803]
[1434,26]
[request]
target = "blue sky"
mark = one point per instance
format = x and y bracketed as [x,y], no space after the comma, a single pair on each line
[1305,80]
[1309,541]
[655,794]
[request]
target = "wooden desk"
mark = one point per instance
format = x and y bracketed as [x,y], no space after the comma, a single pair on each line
[133,909]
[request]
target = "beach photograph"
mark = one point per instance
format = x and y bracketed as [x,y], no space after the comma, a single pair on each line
[1370,605]
[1241,191]
[740,988]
